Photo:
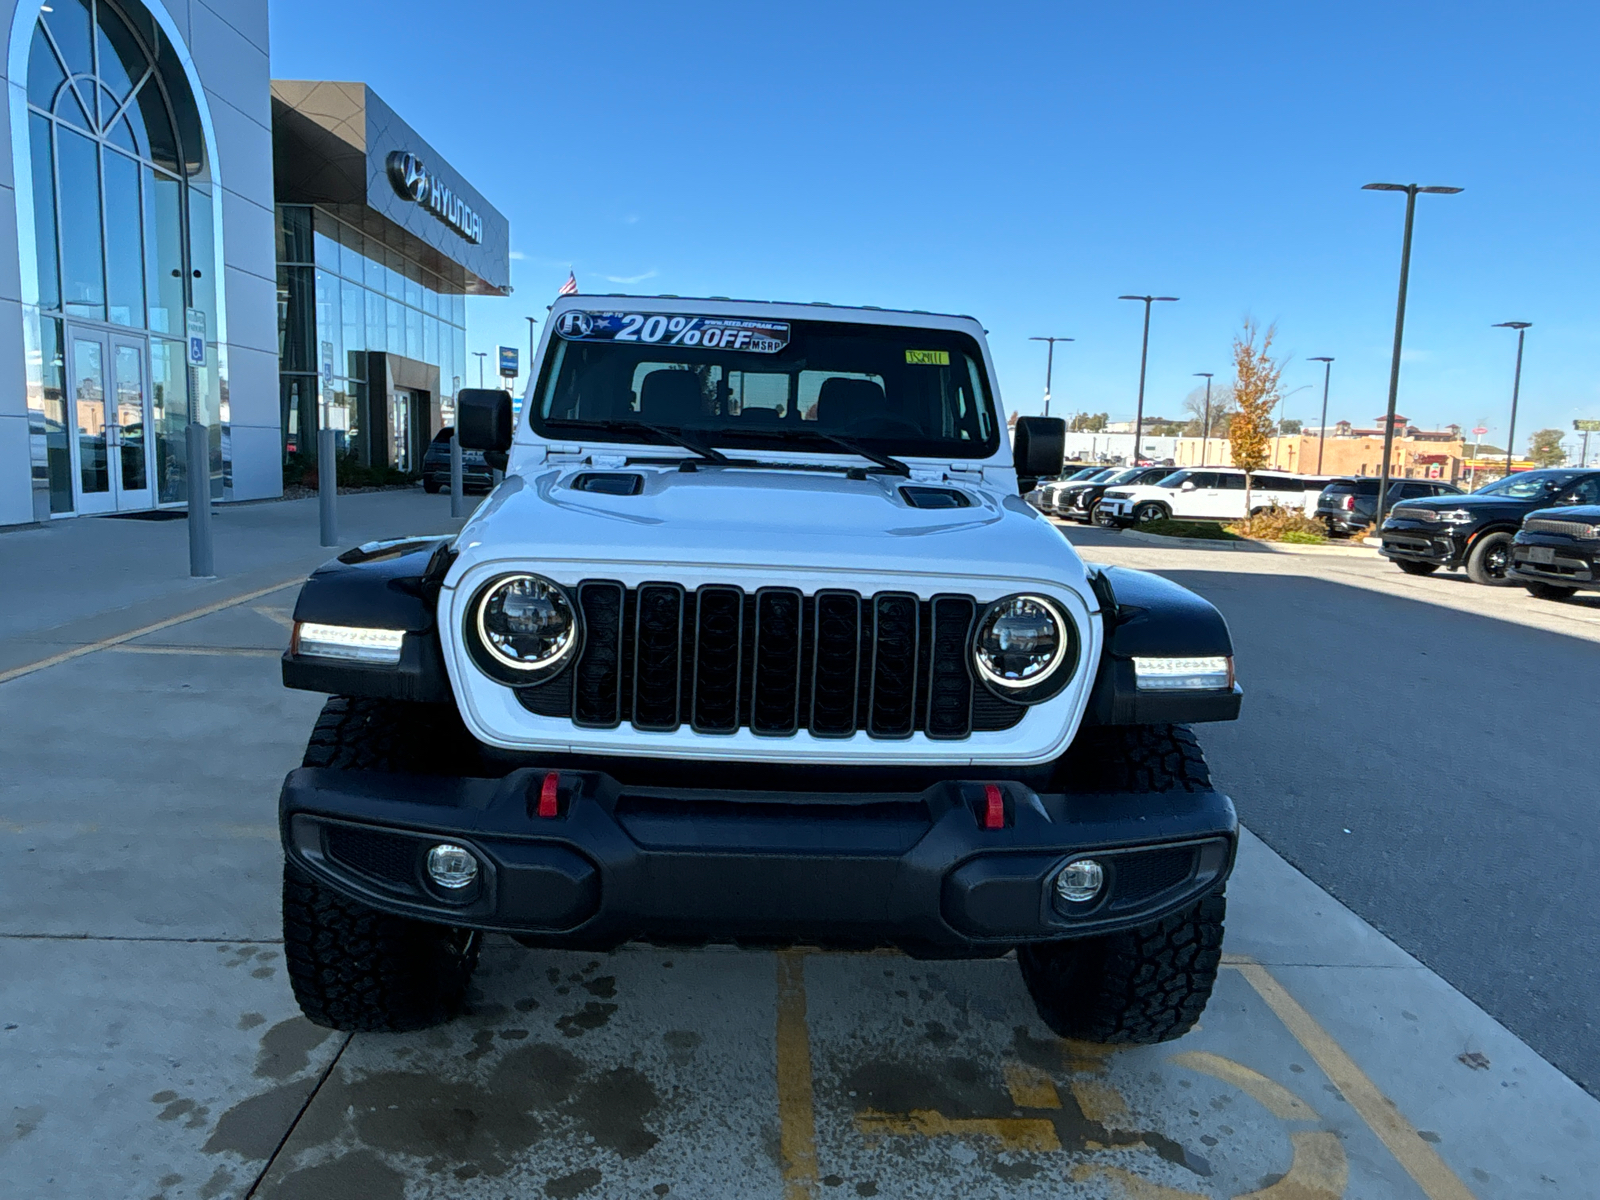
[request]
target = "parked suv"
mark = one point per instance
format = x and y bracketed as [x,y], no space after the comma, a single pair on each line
[756,642]
[1476,530]
[1557,550]
[1081,503]
[1206,493]
[475,473]
[1051,493]
[1351,504]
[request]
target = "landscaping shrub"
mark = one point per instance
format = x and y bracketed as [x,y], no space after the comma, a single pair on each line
[1281,525]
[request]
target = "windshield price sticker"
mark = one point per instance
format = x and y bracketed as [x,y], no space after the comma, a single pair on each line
[928,358]
[666,329]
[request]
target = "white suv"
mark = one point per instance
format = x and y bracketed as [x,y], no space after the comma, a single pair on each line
[1209,494]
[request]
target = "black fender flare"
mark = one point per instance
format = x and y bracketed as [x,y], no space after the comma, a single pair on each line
[1147,616]
[380,585]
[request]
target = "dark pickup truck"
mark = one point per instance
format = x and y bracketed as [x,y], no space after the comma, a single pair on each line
[1475,531]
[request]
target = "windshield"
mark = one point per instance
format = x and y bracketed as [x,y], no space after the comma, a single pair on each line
[1127,476]
[1527,486]
[1085,473]
[740,383]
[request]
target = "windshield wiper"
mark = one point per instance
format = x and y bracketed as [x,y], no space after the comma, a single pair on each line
[667,432]
[854,447]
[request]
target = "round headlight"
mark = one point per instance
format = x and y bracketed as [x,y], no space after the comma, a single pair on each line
[1021,643]
[526,623]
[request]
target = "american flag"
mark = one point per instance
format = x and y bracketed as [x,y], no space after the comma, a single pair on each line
[570,287]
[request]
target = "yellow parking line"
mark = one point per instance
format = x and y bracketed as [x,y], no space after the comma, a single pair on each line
[1419,1159]
[106,643]
[1274,1097]
[242,651]
[797,1137]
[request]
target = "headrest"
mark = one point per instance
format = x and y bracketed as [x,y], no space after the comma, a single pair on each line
[841,401]
[670,397]
[760,416]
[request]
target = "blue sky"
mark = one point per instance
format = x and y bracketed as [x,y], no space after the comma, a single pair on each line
[1028,163]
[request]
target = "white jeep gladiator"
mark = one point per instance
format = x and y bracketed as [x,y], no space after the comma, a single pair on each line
[756,642]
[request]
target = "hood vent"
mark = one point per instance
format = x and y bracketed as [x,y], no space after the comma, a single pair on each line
[934,497]
[609,483]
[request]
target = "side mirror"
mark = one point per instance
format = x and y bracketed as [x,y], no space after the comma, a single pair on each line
[483,420]
[1186,486]
[1038,447]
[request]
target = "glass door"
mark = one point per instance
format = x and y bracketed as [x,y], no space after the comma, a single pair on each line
[400,430]
[111,418]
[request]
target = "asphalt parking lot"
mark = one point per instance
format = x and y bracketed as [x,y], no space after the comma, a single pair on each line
[150,1046]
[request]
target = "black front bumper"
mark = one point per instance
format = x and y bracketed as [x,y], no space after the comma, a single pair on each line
[1566,562]
[615,864]
[1423,543]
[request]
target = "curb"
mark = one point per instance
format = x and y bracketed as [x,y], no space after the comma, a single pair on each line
[1156,539]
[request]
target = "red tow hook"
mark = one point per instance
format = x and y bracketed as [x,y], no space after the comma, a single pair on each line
[550,795]
[994,807]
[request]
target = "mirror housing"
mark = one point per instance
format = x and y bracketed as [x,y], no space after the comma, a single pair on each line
[483,420]
[1038,447]
[1186,486]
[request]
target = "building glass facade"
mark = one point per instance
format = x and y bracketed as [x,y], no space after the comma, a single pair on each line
[366,336]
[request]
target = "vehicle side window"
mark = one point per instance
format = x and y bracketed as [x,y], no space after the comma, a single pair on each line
[1585,491]
[1233,483]
[1409,491]
[1273,483]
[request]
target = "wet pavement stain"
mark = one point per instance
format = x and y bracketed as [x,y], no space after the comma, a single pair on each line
[591,1016]
[565,1187]
[613,1108]
[602,988]
[359,1174]
[286,1048]
[252,1128]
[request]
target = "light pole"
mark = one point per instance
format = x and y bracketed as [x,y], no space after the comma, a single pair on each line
[1277,438]
[1322,429]
[1144,354]
[480,355]
[1205,423]
[1049,365]
[1411,190]
[1516,386]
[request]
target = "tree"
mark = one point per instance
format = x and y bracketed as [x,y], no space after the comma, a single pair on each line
[1222,409]
[1544,447]
[1255,391]
[1289,426]
[1090,423]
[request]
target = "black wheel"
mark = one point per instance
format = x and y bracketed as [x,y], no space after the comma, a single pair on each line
[1149,984]
[1149,512]
[351,966]
[1096,517]
[1490,560]
[1549,591]
[431,487]
[1412,567]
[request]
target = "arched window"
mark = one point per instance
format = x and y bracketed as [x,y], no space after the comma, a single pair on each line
[115,140]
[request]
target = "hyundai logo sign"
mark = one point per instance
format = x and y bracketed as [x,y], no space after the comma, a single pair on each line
[414,182]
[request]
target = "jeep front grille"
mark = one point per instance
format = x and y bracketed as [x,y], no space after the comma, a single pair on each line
[1580,530]
[773,661]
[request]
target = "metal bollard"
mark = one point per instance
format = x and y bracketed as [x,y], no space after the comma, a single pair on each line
[457,487]
[327,487]
[201,562]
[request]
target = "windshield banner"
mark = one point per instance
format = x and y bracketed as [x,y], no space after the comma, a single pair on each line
[668,329]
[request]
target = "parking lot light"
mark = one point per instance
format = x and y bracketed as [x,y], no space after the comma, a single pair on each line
[1322,429]
[1522,328]
[1144,355]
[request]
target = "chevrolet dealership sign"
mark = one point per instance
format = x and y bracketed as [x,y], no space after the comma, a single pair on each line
[412,181]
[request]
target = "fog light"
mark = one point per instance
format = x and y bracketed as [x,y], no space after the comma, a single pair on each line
[453,867]
[1080,881]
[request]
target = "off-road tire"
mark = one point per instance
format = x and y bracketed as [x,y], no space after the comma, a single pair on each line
[1412,567]
[1489,563]
[1149,984]
[1549,591]
[352,967]
[1150,511]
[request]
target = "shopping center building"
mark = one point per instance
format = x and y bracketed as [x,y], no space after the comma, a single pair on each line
[194,241]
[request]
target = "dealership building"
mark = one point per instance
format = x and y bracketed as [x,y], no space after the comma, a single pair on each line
[194,241]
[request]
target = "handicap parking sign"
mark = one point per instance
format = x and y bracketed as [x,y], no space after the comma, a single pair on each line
[194,324]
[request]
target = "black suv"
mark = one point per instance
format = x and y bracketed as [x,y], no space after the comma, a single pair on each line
[1348,505]
[475,473]
[1475,530]
[1558,550]
[1079,503]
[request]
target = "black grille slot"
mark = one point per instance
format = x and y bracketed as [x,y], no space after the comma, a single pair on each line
[657,656]
[893,706]
[385,856]
[1140,876]
[775,695]
[598,700]
[950,678]
[719,643]
[836,664]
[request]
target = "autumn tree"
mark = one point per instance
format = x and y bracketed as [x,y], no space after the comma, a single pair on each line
[1544,447]
[1255,393]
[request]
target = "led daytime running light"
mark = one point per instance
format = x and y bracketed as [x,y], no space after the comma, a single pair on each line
[351,643]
